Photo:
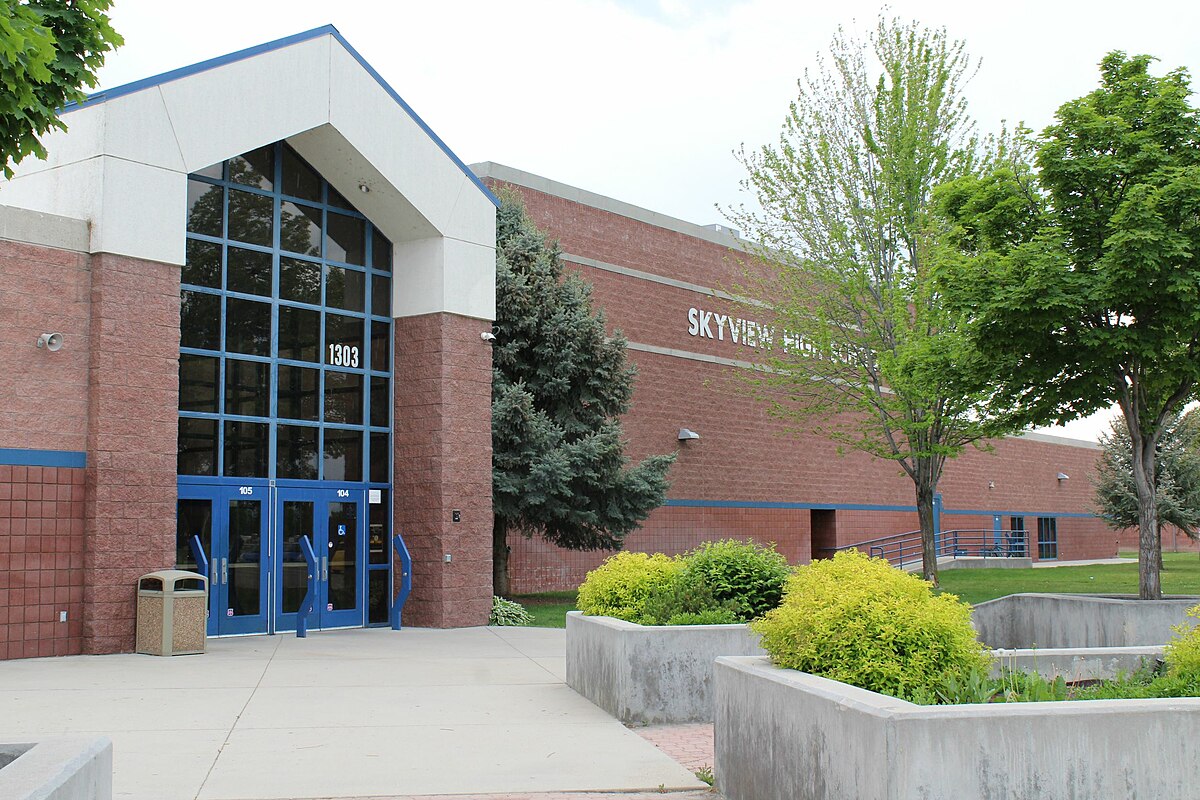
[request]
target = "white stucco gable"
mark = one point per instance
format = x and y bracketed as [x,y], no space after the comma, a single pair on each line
[122,165]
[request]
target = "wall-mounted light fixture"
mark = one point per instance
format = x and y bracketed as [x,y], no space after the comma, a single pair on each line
[1062,476]
[51,341]
[362,187]
[686,434]
[991,484]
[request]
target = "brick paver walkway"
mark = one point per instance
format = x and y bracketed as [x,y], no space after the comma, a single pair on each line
[690,745]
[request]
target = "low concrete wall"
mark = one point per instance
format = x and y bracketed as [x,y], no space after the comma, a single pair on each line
[650,674]
[785,735]
[977,562]
[66,768]
[1076,664]
[1066,620]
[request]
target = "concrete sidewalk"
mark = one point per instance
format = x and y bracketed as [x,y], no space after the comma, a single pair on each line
[341,714]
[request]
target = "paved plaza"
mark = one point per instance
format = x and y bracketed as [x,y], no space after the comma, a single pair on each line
[466,713]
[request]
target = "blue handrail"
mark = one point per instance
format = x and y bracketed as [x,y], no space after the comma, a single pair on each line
[310,593]
[198,554]
[405,579]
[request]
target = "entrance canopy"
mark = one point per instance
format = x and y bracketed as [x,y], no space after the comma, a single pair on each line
[122,165]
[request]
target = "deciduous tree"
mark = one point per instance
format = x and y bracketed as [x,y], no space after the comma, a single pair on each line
[862,338]
[1082,269]
[49,50]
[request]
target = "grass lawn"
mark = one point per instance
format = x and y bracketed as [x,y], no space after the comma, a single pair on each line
[548,609]
[1181,575]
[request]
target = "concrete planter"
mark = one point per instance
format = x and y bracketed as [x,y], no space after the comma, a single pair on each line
[67,768]
[786,735]
[645,674]
[1069,620]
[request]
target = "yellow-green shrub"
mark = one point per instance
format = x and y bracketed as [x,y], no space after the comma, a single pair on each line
[861,621]
[1182,653]
[620,586]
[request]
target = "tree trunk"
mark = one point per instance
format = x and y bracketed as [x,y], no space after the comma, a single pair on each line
[499,557]
[929,567]
[1149,579]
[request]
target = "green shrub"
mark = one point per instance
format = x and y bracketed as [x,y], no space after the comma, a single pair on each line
[1182,653]
[712,616]
[508,612]
[621,585]
[686,597]
[743,576]
[861,621]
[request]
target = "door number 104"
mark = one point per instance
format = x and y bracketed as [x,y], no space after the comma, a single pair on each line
[343,355]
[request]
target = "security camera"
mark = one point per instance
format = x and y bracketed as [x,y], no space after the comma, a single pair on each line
[51,341]
[488,336]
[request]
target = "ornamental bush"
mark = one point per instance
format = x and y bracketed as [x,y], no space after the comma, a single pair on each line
[1182,653]
[861,621]
[747,577]
[508,612]
[621,585]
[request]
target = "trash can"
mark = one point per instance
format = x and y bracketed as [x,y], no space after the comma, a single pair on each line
[172,613]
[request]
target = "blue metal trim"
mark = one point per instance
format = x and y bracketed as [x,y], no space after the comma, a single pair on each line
[18,457]
[782,505]
[267,47]
[198,554]
[861,507]
[405,580]
[306,605]
[980,513]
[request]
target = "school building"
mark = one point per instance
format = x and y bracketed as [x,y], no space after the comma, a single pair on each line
[242,305]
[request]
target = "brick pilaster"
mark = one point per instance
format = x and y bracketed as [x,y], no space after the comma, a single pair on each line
[129,514]
[443,462]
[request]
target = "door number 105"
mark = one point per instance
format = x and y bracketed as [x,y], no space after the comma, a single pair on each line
[343,355]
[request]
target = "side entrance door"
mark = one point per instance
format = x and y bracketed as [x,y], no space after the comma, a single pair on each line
[334,522]
[227,527]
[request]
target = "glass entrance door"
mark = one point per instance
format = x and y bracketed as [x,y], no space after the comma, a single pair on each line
[334,521]
[226,526]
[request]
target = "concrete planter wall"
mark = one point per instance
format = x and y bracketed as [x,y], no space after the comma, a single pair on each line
[786,735]
[1065,620]
[67,768]
[650,674]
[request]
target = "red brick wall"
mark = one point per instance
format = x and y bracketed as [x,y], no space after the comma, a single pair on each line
[132,441]
[443,462]
[43,406]
[43,395]
[41,561]
[745,456]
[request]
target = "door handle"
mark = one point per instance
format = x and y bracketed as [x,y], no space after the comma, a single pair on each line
[224,570]
[325,568]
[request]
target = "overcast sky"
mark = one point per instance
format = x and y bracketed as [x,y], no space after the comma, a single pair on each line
[645,101]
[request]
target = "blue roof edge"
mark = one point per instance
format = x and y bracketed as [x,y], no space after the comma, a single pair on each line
[278,44]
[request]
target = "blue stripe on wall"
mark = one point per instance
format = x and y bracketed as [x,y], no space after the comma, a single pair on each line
[764,504]
[15,457]
[777,505]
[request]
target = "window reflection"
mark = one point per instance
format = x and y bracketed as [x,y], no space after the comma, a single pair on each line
[300,228]
[261,211]
[251,218]
[256,168]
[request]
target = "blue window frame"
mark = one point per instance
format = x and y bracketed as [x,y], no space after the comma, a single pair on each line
[286,336]
[286,365]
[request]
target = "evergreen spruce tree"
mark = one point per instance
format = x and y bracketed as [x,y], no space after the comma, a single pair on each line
[1176,476]
[559,386]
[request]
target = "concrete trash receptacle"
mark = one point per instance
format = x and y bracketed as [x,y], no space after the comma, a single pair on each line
[172,613]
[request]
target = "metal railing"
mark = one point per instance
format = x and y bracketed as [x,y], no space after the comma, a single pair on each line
[905,548]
